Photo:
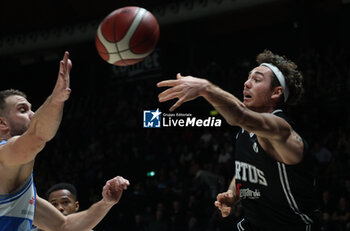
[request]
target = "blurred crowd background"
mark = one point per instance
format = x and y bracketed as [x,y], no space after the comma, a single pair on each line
[102,132]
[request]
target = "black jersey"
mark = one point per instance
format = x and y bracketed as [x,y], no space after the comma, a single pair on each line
[275,196]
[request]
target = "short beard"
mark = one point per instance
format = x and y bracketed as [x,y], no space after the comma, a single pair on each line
[17,130]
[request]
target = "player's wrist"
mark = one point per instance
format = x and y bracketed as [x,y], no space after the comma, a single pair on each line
[54,100]
[206,87]
[107,203]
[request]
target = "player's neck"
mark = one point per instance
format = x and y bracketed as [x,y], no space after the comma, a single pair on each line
[265,109]
[4,137]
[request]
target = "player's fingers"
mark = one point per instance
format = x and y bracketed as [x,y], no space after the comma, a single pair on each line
[120,179]
[179,76]
[123,180]
[167,83]
[105,190]
[167,91]
[126,184]
[227,195]
[64,64]
[177,104]
[217,203]
[109,192]
[121,183]
[108,184]
[219,196]
[169,95]
[62,81]
[61,68]
[69,65]
[225,211]
[65,57]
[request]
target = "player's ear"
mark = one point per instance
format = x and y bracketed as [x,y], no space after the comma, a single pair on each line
[3,124]
[76,206]
[277,92]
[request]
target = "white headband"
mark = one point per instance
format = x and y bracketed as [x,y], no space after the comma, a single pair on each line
[280,78]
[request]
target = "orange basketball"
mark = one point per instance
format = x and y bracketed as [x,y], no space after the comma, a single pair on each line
[127,36]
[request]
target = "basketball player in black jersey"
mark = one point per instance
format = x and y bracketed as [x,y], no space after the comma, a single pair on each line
[273,175]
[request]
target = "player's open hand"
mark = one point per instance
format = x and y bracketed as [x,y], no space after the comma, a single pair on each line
[224,202]
[184,88]
[113,189]
[62,91]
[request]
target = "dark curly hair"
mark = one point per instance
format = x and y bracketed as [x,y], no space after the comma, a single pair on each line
[294,78]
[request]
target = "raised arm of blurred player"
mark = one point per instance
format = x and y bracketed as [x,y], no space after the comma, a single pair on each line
[274,133]
[44,123]
[47,217]
[226,200]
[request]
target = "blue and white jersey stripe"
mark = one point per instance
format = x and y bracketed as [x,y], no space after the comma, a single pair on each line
[17,209]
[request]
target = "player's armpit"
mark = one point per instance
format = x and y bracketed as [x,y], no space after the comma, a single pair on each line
[20,150]
[266,125]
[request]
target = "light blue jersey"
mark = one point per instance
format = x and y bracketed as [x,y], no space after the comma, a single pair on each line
[17,208]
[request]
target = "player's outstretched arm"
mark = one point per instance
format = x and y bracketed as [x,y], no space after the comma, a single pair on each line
[269,127]
[49,218]
[186,88]
[47,118]
[44,123]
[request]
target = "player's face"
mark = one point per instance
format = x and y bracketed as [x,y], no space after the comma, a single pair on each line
[19,114]
[257,89]
[64,201]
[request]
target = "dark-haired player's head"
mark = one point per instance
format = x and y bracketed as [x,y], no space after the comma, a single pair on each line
[64,197]
[274,83]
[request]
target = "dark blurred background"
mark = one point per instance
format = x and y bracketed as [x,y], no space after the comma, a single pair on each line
[102,134]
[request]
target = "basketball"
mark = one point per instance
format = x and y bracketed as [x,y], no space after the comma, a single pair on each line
[127,36]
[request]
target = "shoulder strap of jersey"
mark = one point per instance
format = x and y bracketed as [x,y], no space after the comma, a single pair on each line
[280,113]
